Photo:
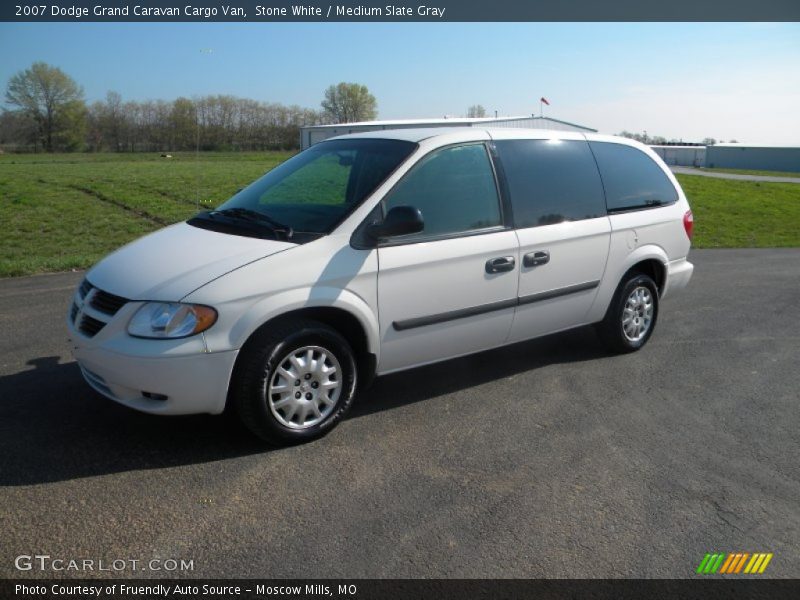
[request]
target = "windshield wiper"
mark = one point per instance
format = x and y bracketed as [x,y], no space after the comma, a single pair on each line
[246,214]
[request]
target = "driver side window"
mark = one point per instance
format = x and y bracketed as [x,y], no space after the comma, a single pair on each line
[455,190]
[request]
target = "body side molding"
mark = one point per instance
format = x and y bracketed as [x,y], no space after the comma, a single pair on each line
[491,307]
[570,289]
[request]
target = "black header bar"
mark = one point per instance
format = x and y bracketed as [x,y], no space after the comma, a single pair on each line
[264,11]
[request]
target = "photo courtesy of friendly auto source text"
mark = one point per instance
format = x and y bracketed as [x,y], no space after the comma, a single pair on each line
[365,300]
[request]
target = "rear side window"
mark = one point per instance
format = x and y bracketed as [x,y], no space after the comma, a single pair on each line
[632,179]
[551,181]
[455,190]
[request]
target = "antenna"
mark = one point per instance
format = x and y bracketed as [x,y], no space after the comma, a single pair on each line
[197,143]
[197,156]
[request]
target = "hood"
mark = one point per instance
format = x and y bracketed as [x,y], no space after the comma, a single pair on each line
[172,262]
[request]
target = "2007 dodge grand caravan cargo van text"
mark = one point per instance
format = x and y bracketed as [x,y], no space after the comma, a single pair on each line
[376,252]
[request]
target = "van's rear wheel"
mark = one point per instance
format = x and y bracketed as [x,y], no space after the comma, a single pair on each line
[632,315]
[294,382]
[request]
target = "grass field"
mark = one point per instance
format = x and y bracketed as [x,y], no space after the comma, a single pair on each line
[66,211]
[743,214]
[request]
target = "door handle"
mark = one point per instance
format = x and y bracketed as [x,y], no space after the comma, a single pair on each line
[501,264]
[535,259]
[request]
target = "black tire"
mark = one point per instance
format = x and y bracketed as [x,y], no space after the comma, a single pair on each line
[265,352]
[611,329]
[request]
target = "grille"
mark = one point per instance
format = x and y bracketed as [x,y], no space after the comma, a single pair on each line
[90,326]
[107,303]
[84,289]
[101,301]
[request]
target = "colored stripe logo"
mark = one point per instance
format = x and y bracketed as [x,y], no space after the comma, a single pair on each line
[734,563]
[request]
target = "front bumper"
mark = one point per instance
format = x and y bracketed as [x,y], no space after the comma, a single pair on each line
[164,377]
[177,386]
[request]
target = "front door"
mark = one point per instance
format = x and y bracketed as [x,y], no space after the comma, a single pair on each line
[450,289]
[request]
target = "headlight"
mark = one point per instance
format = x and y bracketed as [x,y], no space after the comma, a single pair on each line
[169,320]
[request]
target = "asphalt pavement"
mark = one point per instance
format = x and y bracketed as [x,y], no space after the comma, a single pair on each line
[549,458]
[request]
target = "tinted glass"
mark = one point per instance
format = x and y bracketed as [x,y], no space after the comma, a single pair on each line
[551,181]
[631,178]
[315,189]
[455,190]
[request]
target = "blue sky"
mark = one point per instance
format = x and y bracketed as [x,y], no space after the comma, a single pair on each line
[683,80]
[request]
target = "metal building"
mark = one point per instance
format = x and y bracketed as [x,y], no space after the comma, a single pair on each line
[684,156]
[316,133]
[743,156]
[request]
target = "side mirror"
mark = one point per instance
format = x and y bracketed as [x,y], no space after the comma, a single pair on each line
[400,220]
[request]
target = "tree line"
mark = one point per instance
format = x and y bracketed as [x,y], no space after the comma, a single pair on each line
[657,140]
[47,112]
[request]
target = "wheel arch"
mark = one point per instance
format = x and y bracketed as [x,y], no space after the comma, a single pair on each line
[347,314]
[649,259]
[348,325]
[653,268]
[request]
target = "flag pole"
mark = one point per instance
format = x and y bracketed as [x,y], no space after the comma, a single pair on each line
[541,108]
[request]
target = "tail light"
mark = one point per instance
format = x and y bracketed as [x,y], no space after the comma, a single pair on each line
[688,223]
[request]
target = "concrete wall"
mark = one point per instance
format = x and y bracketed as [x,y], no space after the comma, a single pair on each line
[684,156]
[753,157]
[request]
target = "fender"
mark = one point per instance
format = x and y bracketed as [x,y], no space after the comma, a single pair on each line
[287,301]
[615,269]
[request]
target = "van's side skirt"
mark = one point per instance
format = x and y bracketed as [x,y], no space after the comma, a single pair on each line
[492,306]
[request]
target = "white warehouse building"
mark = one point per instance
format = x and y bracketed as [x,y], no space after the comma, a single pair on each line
[684,156]
[313,134]
[732,156]
[758,157]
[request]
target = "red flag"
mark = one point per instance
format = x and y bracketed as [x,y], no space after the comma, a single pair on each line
[543,99]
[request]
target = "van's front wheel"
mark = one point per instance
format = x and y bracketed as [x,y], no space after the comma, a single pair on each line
[631,318]
[294,382]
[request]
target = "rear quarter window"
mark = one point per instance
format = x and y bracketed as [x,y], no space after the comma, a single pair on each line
[551,181]
[632,180]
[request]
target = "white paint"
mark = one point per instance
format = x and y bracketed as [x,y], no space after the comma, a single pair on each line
[251,281]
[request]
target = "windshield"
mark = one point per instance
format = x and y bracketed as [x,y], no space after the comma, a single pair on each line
[313,191]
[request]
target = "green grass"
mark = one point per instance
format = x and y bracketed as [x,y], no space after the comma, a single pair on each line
[322,182]
[743,214]
[66,211]
[752,172]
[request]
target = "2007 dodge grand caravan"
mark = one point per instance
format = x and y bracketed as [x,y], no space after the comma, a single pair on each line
[377,252]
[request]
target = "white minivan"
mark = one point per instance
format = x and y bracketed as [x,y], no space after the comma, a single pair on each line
[377,252]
